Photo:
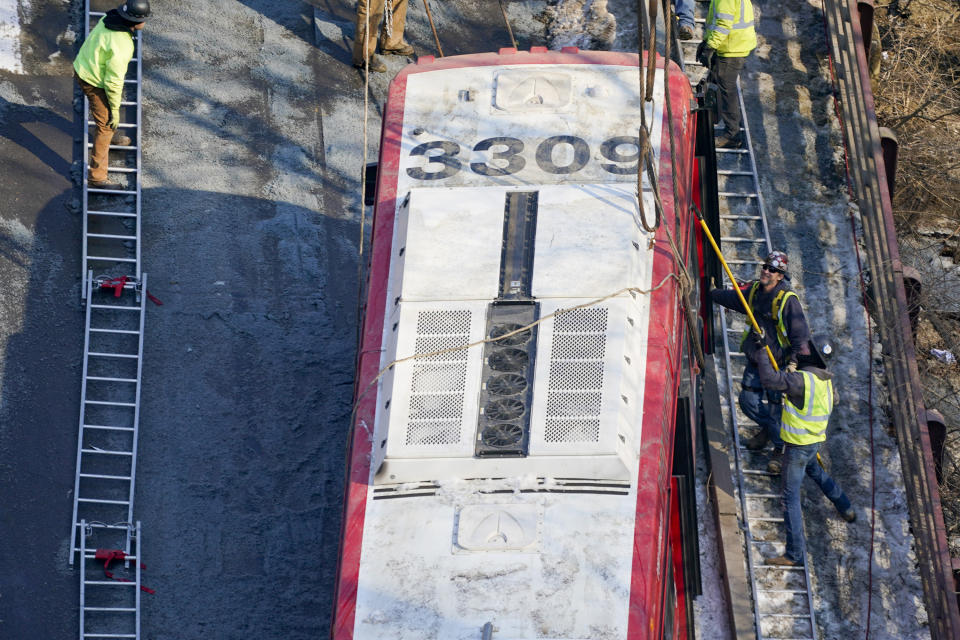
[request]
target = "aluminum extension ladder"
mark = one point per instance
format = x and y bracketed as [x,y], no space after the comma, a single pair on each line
[783,602]
[111,219]
[114,293]
[109,608]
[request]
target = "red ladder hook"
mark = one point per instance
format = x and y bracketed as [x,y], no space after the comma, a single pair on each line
[108,556]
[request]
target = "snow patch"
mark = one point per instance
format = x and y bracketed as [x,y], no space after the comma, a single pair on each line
[10,36]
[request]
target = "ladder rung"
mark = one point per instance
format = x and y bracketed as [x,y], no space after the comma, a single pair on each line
[102,501]
[780,590]
[106,379]
[738,239]
[113,609]
[764,519]
[97,13]
[751,472]
[109,403]
[124,331]
[734,194]
[101,476]
[121,214]
[113,192]
[740,217]
[100,525]
[110,635]
[109,583]
[785,615]
[112,355]
[93,554]
[744,261]
[129,81]
[122,125]
[122,169]
[104,427]
[110,236]
[128,103]
[116,146]
[107,452]
[119,307]
[721,150]
[762,495]
[111,259]
[732,172]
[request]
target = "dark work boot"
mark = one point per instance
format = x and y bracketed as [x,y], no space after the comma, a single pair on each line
[121,140]
[405,49]
[757,442]
[376,65]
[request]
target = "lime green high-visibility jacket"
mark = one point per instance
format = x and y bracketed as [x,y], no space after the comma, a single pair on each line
[103,61]
[730,28]
[808,424]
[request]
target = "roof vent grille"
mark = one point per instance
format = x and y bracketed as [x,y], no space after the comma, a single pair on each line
[575,383]
[438,382]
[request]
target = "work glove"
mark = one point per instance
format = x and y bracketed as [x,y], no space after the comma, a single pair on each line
[791,367]
[114,121]
[753,344]
[706,54]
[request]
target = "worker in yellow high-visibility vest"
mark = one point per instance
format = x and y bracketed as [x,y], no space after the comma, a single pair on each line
[728,39]
[808,403]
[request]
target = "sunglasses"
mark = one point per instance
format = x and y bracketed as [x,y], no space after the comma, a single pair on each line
[767,267]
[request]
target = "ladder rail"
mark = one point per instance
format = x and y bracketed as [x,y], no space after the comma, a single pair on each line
[136,414]
[83,410]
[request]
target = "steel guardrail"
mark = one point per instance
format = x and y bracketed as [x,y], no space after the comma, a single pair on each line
[908,414]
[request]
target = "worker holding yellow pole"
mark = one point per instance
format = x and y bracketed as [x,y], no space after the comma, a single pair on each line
[775,313]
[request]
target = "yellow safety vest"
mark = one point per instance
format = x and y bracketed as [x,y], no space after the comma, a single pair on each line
[776,310]
[808,424]
[730,29]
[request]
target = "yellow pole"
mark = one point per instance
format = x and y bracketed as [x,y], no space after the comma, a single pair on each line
[743,301]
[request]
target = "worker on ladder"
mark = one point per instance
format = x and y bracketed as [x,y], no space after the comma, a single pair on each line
[100,69]
[780,315]
[809,401]
[729,37]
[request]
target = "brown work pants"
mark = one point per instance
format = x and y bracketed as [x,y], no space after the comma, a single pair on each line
[100,112]
[393,41]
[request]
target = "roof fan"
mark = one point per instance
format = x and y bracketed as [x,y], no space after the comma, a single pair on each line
[512,341]
[510,360]
[506,384]
[502,435]
[504,409]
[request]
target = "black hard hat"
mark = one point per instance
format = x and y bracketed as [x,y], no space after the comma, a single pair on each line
[134,10]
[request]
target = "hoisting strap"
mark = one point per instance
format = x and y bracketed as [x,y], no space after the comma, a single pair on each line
[108,556]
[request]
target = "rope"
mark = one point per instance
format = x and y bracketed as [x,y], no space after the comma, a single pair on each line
[869,350]
[388,18]
[506,22]
[380,374]
[436,38]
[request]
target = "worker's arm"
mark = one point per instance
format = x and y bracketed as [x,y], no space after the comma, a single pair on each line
[117,59]
[728,297]
[725,13]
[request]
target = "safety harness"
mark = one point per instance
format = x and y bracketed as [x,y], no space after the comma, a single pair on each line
[776,312]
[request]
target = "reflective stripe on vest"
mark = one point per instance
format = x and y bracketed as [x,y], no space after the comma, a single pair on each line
[808,424]
[776,311]
[739,24]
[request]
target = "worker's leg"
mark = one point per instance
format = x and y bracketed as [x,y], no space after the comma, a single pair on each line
[827,484]
[684,11]
[100,113]
[725,74]
[394,41]
[752,404]
[376,17]
[795,460]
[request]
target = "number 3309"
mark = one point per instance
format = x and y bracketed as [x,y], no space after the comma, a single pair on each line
[506,156]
